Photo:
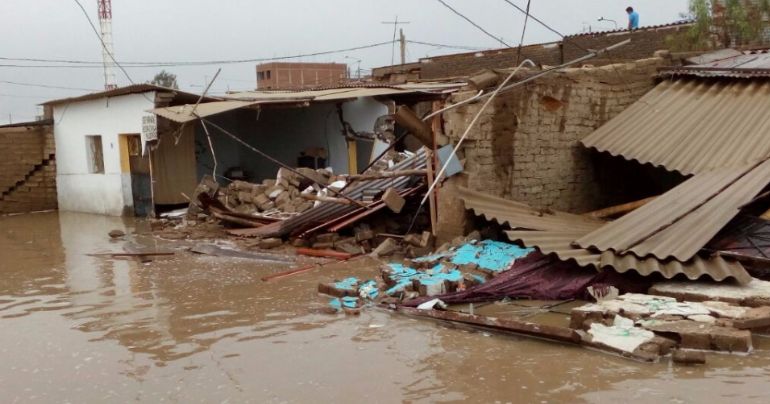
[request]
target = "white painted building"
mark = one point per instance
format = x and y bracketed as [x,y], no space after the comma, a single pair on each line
[101,166]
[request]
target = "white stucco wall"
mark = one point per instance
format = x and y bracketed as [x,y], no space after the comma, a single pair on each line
[78,190]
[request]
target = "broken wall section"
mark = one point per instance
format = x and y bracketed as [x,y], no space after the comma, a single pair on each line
[525,145]
[27,169]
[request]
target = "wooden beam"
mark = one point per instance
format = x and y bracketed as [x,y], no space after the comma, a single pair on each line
[619,209]
[380,175]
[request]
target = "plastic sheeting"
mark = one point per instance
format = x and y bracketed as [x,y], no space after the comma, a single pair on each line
[539,277]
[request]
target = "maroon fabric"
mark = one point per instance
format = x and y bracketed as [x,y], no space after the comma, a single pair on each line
[544,278]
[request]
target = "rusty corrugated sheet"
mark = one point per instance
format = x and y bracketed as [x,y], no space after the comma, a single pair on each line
[692,126]
[559,243]
[725,63]
[327,210]
[681,222]
[522,216]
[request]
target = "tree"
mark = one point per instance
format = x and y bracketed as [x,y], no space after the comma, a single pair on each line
[724,23]
[165,79]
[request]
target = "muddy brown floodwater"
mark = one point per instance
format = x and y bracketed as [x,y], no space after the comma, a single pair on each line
[194,328]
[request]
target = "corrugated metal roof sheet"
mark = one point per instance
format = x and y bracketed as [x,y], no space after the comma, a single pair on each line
[246,99]
[692,126]
[522,216]
[682,221]
[132,89]
[625,30]
[559,243]
[727,63]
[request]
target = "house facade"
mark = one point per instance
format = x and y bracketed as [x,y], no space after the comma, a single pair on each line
[105,159]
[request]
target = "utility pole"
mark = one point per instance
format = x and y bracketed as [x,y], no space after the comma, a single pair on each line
[395,24]
[403,46]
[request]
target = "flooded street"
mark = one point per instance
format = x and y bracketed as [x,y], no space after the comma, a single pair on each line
[195,328]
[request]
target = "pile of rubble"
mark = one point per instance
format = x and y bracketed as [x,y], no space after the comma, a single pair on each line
[288,194]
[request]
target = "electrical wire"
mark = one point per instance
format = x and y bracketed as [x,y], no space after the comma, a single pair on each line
[523,31]
[46,86]
[473,23]
[95,64]
[440,45]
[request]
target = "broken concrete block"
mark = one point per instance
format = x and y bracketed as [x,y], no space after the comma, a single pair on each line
[347,245]
[416,252]
[268,243]
[116,233]
[393,200]
[387,247]
[687,357]
[268,182]
[266,206]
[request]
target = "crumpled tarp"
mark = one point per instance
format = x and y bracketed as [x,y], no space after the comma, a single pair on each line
[542,277]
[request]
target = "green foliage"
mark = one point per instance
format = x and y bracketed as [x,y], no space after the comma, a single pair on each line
[165,79]
[723,23]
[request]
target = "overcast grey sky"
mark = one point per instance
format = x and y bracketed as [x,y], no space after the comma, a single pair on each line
[192,30]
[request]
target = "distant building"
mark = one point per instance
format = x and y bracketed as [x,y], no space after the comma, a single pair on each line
[293,76]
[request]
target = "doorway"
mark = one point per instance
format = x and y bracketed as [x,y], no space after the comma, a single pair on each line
[137,167]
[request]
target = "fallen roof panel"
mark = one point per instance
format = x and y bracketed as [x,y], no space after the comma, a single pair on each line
[692,126]
[559,243]
[183,113]
[522,216]
[681,222]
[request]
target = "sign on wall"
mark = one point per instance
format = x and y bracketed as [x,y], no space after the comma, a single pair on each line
[149,130]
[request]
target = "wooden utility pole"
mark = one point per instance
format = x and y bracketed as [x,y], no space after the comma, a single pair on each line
[395,24]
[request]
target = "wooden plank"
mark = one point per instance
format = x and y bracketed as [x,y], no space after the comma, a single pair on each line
[620,209]
[311,252]
[555,333]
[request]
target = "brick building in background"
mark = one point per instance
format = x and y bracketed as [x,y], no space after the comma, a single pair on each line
[294,76]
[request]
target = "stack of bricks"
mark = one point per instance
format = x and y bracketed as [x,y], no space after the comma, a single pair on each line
[525,146]
[27,169]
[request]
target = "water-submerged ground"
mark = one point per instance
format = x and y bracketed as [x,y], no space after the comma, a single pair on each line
[196,328]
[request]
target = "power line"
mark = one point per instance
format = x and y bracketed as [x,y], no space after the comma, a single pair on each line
[473,23]
[440,45]
[46,86]
[101,40]
[523,31]
[546,26]
[88,64]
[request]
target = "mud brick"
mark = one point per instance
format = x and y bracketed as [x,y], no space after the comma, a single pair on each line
[393,200]
[327,237]
[758,317]
[268,182]
[268,243]
[300,242]
[260,199]
[687,357]
[415,252]
[387,247]
[323,245]
[363,232]
[413,239]
[339,288]
[427,239]
[245,197]
[735,341]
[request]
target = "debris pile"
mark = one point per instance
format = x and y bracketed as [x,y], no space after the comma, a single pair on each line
[288,194]
[450,269]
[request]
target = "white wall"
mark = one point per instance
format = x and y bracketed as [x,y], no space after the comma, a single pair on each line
[283,132]
[78,190]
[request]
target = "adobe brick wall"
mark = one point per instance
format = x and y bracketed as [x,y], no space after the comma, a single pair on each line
[644,44]
[27,169]
[465,64]
[525,145]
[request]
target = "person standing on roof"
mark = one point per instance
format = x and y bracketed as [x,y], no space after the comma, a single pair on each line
[633,19]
